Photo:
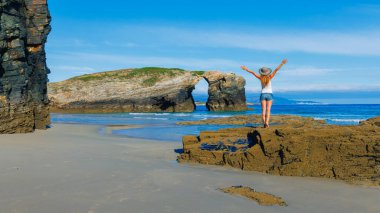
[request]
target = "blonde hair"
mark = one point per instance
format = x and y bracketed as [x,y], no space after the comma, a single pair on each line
[264,80]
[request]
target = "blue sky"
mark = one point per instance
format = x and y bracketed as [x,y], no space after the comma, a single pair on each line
[330,45]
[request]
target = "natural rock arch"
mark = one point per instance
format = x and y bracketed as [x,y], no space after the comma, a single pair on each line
[226,91]
[103,92]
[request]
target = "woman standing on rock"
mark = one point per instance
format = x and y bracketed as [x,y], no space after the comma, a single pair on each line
[266,97]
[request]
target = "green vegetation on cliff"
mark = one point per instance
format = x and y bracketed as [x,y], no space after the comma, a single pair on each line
[150,75]
[155,71]
[153,74]
[199,73]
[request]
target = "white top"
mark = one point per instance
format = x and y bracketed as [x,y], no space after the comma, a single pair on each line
[267,88]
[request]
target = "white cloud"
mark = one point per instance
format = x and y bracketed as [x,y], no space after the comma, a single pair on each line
[81,43]
[126,61]
[70,42]
[354,42]
[307,71]
[317,87]
[221,64]
[120,44]
[73,69]
[329,42]
[324,87]
[309,78]
[322,43]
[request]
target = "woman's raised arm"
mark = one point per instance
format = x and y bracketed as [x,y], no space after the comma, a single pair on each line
[250,71]
[278,68]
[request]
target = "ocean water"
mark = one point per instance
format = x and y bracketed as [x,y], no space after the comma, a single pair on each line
[162,126]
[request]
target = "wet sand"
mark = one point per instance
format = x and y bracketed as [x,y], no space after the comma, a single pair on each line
[73,168]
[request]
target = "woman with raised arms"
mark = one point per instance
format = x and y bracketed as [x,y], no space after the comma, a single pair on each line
[266,97]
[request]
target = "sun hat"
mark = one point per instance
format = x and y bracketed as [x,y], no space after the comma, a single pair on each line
[265,71]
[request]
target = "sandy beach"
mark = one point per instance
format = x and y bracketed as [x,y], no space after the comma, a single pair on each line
[73,168]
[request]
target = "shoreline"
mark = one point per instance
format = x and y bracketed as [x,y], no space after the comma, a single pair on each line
[73,168]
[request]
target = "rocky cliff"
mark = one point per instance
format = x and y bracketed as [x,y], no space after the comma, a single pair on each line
[130,90]
[294,147]
[149,89]
[24,26]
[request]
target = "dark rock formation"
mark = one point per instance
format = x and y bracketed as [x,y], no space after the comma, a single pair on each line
[148,89]
[226,92]
[24,26]
[294,147]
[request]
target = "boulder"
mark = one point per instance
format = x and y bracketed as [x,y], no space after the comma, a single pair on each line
[226,92]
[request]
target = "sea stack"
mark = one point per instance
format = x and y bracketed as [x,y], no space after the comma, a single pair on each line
[226,91]
[24,27]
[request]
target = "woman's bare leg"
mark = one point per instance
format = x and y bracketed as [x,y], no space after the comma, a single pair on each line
[268,107]
[263,111]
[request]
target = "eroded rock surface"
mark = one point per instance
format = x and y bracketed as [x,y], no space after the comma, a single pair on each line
[293,147]
[226,92]
[24,27]
[262,198]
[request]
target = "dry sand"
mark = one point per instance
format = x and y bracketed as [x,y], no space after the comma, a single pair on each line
[72,168]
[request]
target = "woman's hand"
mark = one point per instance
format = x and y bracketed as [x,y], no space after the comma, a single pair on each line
[244,68]
[278,68]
